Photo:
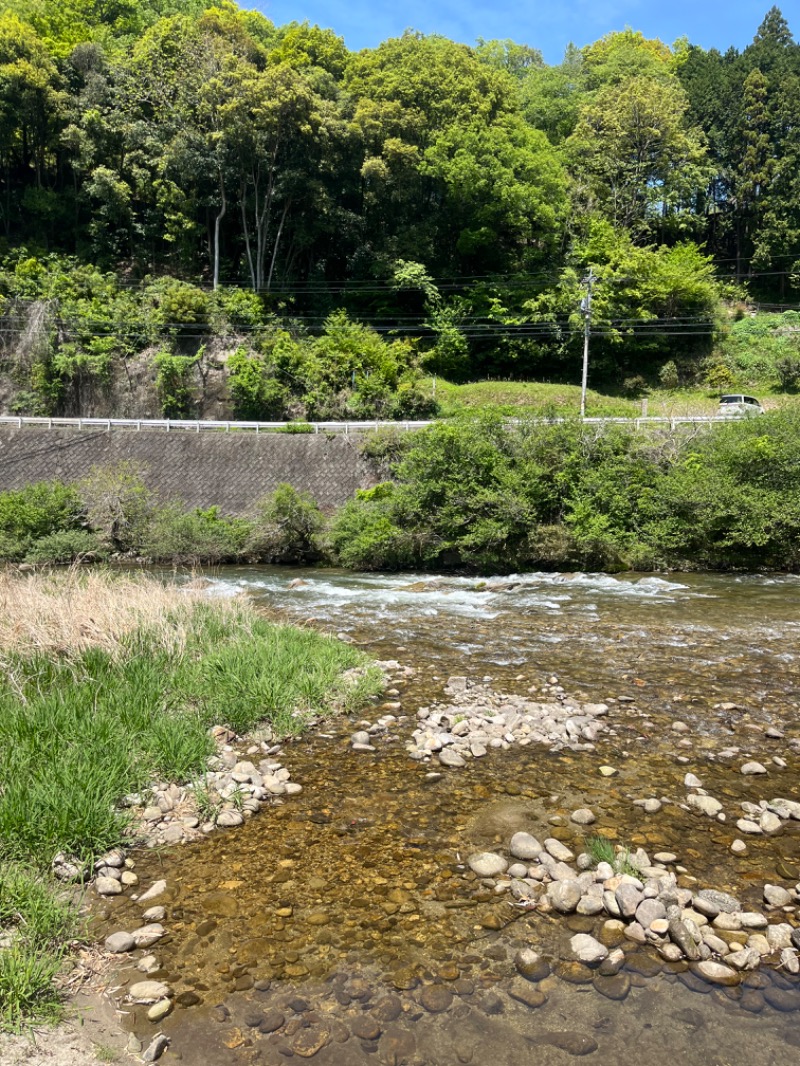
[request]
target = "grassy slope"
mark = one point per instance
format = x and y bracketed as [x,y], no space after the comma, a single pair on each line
[523,397]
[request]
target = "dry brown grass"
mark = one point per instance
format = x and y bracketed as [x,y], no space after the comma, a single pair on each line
[69,611]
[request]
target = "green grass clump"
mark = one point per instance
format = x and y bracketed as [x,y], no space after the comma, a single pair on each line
[36,925]
[602,850]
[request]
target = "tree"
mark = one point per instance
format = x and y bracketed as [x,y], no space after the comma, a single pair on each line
[636,158]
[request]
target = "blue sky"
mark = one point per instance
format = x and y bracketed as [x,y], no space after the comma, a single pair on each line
[549,26]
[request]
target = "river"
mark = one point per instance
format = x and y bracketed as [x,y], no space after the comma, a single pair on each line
[335,911]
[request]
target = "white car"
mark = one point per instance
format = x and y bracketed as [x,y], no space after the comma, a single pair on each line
[737,406]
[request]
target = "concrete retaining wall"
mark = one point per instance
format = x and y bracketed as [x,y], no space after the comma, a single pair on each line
[228,470]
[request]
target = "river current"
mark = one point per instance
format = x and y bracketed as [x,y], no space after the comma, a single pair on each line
[336,912]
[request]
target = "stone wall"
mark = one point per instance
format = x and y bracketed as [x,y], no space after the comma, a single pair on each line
[229,470]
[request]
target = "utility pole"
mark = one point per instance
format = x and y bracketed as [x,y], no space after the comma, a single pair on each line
[586,311]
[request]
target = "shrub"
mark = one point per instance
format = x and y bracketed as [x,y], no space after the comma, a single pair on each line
[195,537]
[788,368]
[39,510]
[118,504]
[64,547]
[286,527]
[668,377]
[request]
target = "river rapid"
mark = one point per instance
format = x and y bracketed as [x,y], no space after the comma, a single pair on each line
[343,924]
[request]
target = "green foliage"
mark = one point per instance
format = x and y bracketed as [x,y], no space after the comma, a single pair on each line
[65,546]
[199,536]
[118,505]
[257,395]
[38,923]
[285,528]
[483,495]
[37,511]
[174,382]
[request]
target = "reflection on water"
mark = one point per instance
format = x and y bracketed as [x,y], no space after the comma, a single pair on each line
[339,908]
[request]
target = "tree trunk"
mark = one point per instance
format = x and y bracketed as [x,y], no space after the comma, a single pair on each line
[217,221]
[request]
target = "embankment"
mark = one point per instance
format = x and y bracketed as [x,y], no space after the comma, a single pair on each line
[227,470]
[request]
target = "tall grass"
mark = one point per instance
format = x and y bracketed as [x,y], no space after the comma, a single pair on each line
[37,925]
[107,683]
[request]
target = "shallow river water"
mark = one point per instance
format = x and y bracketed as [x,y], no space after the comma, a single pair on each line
[343,926]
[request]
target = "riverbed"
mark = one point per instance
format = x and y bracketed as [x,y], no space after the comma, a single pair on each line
[348,914]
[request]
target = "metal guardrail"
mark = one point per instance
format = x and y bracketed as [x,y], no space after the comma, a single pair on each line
[197,426]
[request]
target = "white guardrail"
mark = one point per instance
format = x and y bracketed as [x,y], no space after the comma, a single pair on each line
[346,428]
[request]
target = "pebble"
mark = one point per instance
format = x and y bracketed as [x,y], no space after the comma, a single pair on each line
[435,998]
[107,886]
[753,768]
[583,816]
[716,973]
[776,896]
[156,889]
[159,1010]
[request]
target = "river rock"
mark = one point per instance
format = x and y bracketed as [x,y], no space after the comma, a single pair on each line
[583,816]
[747,825]
[690,781]
[738,847]
[651,806]
[559,851]
[524,846]
[148,991]
[753,768]
[769,822]
[435,998]
[228,819]
[451,758]
[779,936]
[752,920]
[107,886]
[156,889]
[680,935]
[649,911]
[159,1010]
[564,896]
[155,1048]
[776,896]
[587,948]
[119,943]
[715,902]
[487,864]
[628,898]
[789,961]
[531,965]
[705,804]
[148,935]
[716,973]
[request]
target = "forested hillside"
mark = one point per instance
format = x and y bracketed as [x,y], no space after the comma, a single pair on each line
[202,213]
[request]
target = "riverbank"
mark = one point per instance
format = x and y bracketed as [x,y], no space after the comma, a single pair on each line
[111,688]
[477,495]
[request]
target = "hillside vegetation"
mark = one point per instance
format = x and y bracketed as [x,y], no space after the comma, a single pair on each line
[205,214]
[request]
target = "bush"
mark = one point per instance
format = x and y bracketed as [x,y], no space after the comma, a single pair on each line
[64,547]
[668,377]
[788,368]
[286,527]
[118,505]
[37,511]
[195,537]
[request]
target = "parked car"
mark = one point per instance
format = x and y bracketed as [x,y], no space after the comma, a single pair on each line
[737,406]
